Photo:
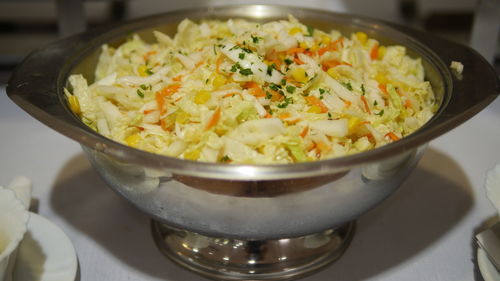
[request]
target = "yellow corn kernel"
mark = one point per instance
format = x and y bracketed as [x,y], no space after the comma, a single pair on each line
[202,97]
[142,70]
[295,30]
[325,39]
[219,80]
[133,140]
[381,78]
[182,117]
[352,123]
[362,37]
[299,74]
[381,52]
[333,73]
[314,109]
[192,154]
[74,105]
[303,45]
[314,47]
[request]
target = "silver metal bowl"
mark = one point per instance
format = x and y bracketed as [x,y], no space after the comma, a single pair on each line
[253,202]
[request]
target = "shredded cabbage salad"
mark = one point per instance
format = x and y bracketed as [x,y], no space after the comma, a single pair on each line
[242,92]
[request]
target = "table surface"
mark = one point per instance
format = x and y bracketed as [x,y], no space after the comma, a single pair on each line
[424,231]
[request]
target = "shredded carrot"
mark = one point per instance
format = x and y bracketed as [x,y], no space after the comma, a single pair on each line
[169,90]
[370,137]
[177,78]
[347,103]
[198,64]
[285,115]
[230,94]
[161,103]
[367,108]
[327,64]
[214,119]
[323,146]
[297,60]
[160,96]
[383,88]
[268,115]
[149,111]
[332,46]
[392,136]
[254,89]
[218,63]
[315,101]
[163,125]
[311,147]
[304,132]
[408,103]
[296,50]
[148,54]
[139,128]
[275,96]
[374,52]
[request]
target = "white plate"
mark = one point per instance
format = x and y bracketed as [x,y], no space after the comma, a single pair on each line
[46,253]
[488,270]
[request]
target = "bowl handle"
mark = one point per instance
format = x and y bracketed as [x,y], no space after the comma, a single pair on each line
[472,90]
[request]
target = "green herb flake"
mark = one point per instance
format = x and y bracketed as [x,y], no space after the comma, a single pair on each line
[269,70]
[290,89]
[321,91]
[246,71]
[140,93]
[274,87]
[288,61]
[375,103]
[347,85]
[149,71]
[329,115]
[235,67]
[144,87]
[268,95]
[310,31]
[241,56]
[363,89]
[381,113]
[225,159]
[255,39]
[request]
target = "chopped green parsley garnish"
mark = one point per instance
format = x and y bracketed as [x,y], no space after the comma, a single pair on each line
[310,31]
[269,70]
[225,159]
[241,56]
[246,71]
[290,89]
[288,61]
[274,87]
[348,86]
[140,93]
[285,103]
[235,67]
[363,89]
[381,113]
[321,91]
[149,71]
[255,39]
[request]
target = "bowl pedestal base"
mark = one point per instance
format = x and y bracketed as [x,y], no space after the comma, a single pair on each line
[234,259]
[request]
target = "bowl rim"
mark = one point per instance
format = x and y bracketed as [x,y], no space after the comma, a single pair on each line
[450,114]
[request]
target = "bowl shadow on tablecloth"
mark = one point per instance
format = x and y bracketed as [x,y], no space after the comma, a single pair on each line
[425,208]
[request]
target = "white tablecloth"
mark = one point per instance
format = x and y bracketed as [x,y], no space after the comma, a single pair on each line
[422,232]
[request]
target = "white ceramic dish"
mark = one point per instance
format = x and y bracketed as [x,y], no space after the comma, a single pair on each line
[487,269]
[45,254]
